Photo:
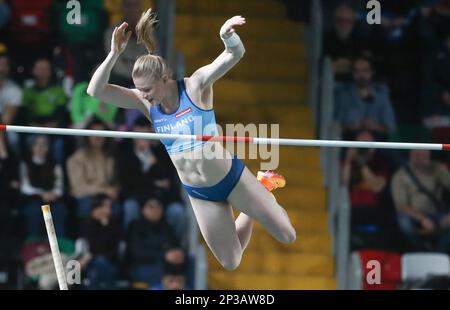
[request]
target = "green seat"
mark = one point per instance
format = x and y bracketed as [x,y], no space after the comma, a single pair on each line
[411,133]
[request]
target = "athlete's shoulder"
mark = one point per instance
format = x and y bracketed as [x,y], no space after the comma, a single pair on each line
[190,84]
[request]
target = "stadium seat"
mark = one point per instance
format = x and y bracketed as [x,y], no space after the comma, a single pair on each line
[420,265]
[389,270]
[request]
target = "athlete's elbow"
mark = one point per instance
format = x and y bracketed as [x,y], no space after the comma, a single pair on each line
[94,91]
[91,90]
[237,53]
[240,53]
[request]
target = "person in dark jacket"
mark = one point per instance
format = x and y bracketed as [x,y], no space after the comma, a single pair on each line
[9,185]
[152,172]
[150,239]
[103,234]
[42,182]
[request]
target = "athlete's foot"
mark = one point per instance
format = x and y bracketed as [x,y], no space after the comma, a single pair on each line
[271,180]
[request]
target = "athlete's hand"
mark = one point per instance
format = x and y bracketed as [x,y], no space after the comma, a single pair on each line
[228,27]
[120,38]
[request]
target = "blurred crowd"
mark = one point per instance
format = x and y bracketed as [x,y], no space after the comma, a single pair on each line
[392,83]
[117,204]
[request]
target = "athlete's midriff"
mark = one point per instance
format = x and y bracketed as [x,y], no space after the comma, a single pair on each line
[197,171]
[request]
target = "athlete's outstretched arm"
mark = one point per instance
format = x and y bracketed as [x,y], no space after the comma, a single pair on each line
[115,94]
[234,50]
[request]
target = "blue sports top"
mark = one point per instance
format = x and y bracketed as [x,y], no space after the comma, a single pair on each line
[188,119]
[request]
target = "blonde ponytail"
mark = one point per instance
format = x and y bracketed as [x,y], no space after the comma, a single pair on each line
[145,30]
[149,65]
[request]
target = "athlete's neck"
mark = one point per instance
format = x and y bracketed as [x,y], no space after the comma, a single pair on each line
[171,102]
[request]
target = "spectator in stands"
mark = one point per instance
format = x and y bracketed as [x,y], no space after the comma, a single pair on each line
[396,43]
[396,17]
[151,173]
[417,189]
[174,278]
[42,182]
[82,40]
[364,104]
[435,101]
[10,99]
[121,73]
[30,30]
[103,234]
[83,107]
[366,173]
[91,171]
[5,13]
[9,185]
[44,104]
[45,101]
[10,93]
[150,239]
[435,23]
[343,42]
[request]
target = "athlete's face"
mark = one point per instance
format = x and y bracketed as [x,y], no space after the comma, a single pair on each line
[151,89]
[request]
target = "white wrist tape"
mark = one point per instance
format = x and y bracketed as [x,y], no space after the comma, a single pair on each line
[232,41]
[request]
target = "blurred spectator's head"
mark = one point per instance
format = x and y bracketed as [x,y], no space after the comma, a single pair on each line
[40,147]
[42,71]
[175,256]
[152,210]
[419,159]
[4,67]
[142,125]
[367,136]
[364,135]
[101,207]
[362,71]
[344,21]
[132,11]
[96,143]
[174,277]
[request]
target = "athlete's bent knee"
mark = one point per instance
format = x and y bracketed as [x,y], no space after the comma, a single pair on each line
[289,235]
[231,263]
